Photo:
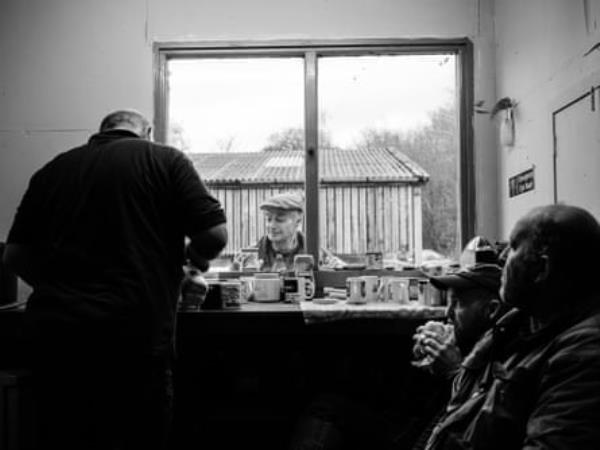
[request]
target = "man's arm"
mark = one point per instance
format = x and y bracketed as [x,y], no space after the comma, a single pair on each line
[206,245]
[25,262]
[567,413]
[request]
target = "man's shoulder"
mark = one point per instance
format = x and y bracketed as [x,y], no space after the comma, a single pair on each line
[585,331]
[62,159]
[171,154]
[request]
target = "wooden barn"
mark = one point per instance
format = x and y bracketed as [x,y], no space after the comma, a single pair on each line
[369,200]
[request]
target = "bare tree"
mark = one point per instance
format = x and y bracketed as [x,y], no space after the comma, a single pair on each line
[226,144]
[293,139]
[287,139]
[435,148]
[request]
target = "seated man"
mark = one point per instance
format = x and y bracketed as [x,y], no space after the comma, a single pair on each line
[283,214]
[473,307]
[283,240]
[534,380]
[343,422]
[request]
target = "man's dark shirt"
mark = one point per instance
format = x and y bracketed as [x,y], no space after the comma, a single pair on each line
[111,217]
[267,253]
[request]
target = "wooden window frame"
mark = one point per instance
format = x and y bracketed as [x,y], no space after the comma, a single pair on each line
[311,50]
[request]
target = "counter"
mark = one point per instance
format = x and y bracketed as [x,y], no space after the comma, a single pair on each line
[243,376]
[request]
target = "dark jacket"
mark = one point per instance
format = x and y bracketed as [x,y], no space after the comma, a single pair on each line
[523,389]
[267,254]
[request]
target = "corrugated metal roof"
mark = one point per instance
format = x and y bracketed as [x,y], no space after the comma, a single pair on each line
[287,166]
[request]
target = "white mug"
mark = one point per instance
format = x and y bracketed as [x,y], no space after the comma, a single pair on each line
[371,287]
[395,289]
[246,288]
[355,290]
[266,289]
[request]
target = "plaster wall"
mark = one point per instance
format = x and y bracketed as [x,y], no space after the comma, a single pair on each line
[542,62]
[66,63]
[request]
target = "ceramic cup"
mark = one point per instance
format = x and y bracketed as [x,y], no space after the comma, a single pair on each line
[356,290]
[267,289]
[371,287]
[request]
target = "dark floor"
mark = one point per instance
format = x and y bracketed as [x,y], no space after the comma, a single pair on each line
[248,392]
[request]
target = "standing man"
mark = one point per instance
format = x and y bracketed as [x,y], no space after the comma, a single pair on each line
[539,368]
[99,235]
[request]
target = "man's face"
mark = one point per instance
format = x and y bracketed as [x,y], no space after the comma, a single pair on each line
[519,288]
[469,313]
[282,224]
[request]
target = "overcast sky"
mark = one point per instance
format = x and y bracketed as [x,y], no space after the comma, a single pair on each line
[239,103]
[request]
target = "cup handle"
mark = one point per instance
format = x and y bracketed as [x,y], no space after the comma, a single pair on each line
[381,290]
[309,288]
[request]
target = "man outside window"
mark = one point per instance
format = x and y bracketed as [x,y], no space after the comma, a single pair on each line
[99,235]
[283,214]
[284,239]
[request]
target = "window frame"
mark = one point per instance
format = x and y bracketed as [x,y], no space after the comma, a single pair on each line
[310,51]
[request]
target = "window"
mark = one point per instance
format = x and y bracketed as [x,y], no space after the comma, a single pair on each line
[375,134]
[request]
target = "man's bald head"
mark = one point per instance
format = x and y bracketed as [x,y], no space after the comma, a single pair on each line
[569,234]
[553,256]
[127,119]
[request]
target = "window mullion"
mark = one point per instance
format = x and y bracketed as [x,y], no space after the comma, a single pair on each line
[311,127]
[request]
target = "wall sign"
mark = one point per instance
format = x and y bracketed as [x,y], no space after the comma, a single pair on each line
[520,183]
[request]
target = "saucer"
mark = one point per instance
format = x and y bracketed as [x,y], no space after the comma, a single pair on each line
[325,301]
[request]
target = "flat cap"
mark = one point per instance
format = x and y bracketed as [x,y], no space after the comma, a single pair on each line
[287,201]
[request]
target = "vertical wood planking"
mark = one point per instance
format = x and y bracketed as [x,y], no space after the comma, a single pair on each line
[395,219]
[380,215]
[323,217]
[362,219]
[354,230]
[339,219]
[352,220]
[348,211]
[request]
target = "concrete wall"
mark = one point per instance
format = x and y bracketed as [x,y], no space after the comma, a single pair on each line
[540,62]
[66,63]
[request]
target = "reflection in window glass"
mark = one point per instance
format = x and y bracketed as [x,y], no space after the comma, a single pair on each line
[241,121]
[389,152]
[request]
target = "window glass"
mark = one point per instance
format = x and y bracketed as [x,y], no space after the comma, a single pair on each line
[241,121]
[389,154]
[389,147]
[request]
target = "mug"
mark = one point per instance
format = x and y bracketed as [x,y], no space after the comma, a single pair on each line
[374,260]
[394,289]
[303,263]
[371,287]
[267,289]
[298,289]
[246,289]
[231,294]
[356,290]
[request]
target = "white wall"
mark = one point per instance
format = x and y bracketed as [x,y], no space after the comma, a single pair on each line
[540,62]
[66,63]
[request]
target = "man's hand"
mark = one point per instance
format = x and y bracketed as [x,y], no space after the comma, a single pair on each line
[435,349]
[444,356]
